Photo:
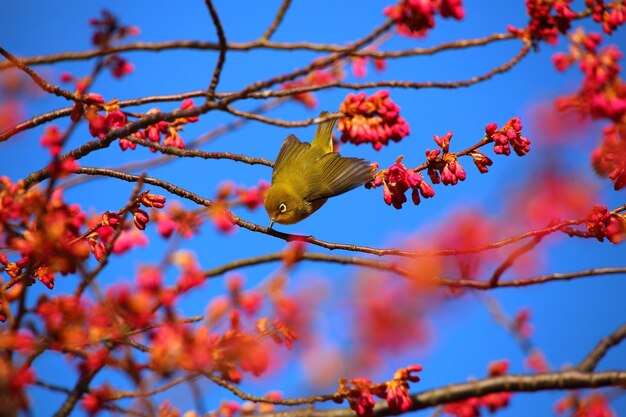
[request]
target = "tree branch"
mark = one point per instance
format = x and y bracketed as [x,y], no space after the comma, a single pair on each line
[222,55]
[181,192]
[280,15]
[247,46]
[591,361]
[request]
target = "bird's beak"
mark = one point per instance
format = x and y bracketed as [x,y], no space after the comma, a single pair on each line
[272,220]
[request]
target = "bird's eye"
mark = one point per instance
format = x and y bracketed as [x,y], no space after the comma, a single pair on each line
[282,208]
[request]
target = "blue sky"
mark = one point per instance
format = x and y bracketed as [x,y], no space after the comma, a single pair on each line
[568,318]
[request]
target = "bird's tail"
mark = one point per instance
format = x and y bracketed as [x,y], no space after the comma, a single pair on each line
[324,134]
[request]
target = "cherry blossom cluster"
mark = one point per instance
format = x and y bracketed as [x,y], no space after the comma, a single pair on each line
[492,402]
[601,224]
[592,405]
[443,166]
[94,333]
[108,30]
[250,197]
[375,119]
[521,327]
[521,323]
[547,20]
[360,392]
[176,218]
[359,63]
[44,232]
[47,233]
[247,302]
[230,195]
[103,229]
[610,15]
[16,379]
[114,118]
[416,17]
[509,135]
[609,159]
[602,96]
[318,77]
[397,180]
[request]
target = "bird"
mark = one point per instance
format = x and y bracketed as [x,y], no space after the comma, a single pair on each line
[306,175]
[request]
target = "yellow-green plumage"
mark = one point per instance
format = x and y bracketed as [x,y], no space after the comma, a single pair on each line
[306,175]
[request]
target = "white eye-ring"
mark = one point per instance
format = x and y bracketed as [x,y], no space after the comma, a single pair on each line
[282,208]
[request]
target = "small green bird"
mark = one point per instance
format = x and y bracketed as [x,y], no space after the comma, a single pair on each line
[307,174]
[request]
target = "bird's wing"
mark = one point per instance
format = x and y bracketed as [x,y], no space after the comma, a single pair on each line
[291,150]
[337,175]
[323,139]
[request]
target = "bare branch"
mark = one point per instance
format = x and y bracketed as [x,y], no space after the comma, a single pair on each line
[280,15]
[591,361]
[43,84]
[257,399]
[222,55]
[248,46]
[508,262]
[118,395]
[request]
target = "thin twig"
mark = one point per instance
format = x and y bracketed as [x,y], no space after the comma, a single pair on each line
[591,360]
[508,262]
[222,54]
[181,192]
[248,46]
[43,84]
[280,15]
[262,399]
[118,395]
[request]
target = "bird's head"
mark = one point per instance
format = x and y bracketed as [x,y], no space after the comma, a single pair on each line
[284,206]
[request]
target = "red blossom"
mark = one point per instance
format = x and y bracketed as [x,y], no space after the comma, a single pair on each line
[536,362]
[547,20]
[165,225]
[184,222]
[46,276]
[593,405]
[396,181]
[149,279]
[115,120]
[609,159]
[173,139]
[253,197]
[498,368]
[509,135]
[128,240]
[375,119]
[119,66]
[108,29]
[521,323]
[467,408]
[222,219]
[359,63]
[610,15]
[317,77]
[152,200]
[471,407]
[416,17]
[52,139]
[94,401]
[362,403]
[601,223]
[481,161]
[126,144]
